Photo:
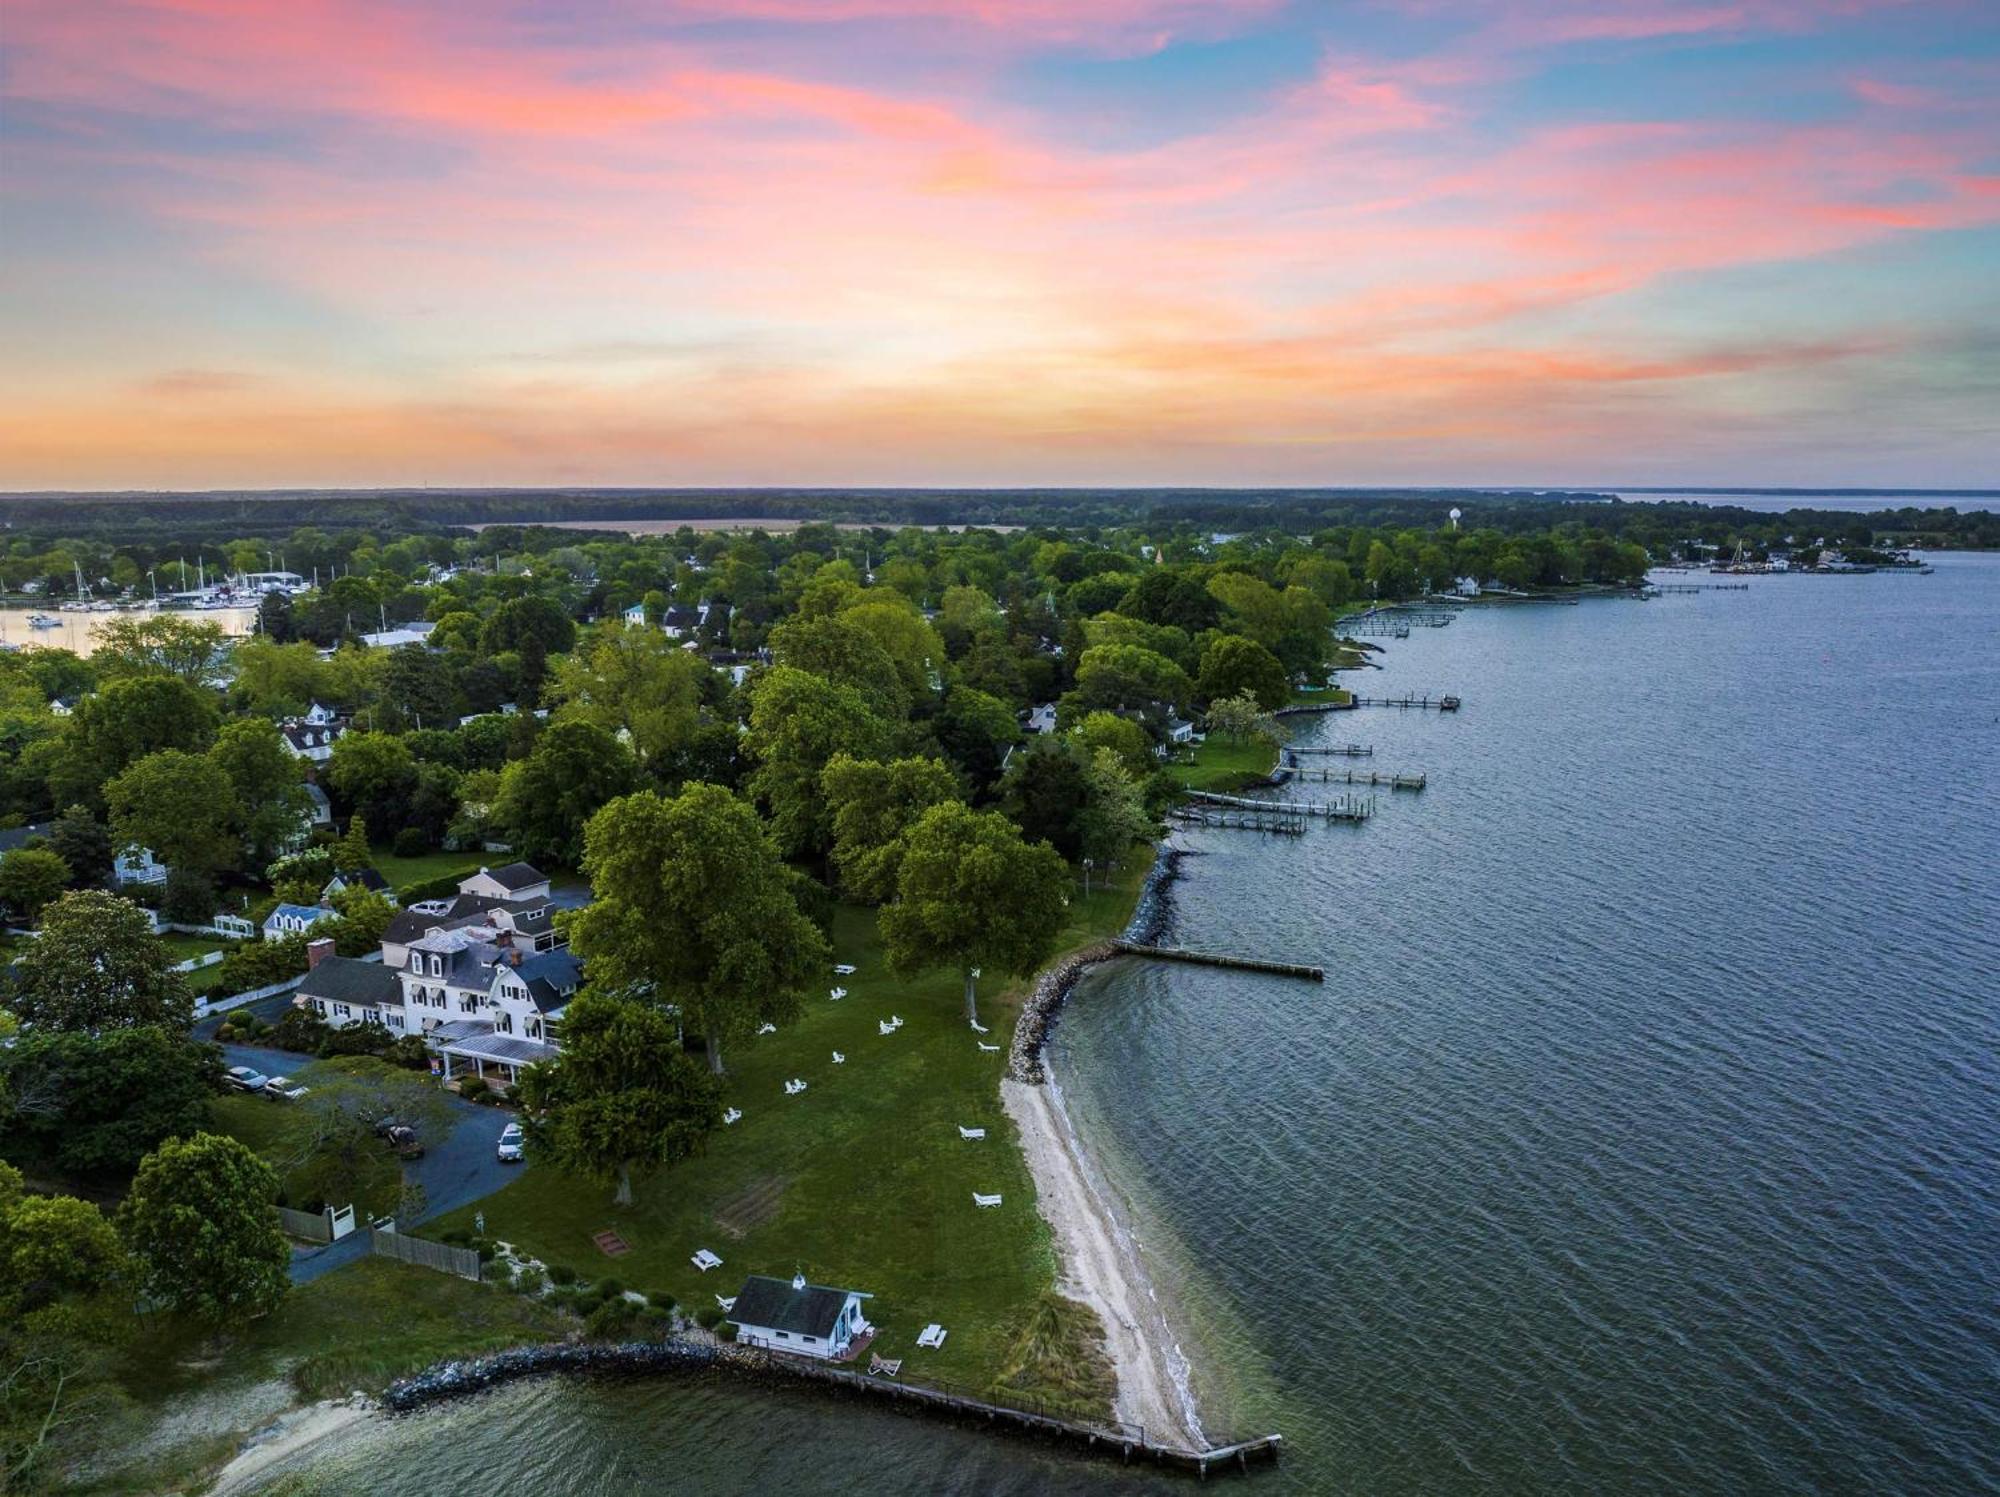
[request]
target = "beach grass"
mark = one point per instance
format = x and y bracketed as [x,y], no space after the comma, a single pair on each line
[861,1182]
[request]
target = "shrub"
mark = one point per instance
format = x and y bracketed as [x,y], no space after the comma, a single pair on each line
[299,1029]
[561,1273]
[708,1317]
[226,1035]
[529,1280]
[457,1237]
[410,1051]
[411,842]
[358,1039]
[486,1251]
[189,898]
[248,1025]
[726,1331]
[610,1288]
[427,888]
[659,1299]
[610,1320]
[473,1089]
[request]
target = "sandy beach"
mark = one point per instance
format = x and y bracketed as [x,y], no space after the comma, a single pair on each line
[1101,1268]
[297,1431]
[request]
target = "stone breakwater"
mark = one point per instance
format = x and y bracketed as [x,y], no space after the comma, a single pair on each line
[456,1379]
[1150,922]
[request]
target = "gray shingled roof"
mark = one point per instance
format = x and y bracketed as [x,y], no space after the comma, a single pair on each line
[346,979]
[775,1305]
[516,875]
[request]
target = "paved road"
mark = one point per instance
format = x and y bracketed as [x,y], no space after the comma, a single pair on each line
[455,1171]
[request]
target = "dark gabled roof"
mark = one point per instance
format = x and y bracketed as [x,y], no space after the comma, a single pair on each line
[680,616]
[19,836]
[346,979]
[775,1305]
[552,978]
[516,875]
[367,878]
[406,926]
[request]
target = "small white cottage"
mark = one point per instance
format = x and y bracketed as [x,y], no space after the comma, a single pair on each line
[808,1320]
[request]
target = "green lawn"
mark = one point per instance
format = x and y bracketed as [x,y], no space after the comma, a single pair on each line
[276,1130]
[181,947]
[1221,765]
[861,1182]
[403,871]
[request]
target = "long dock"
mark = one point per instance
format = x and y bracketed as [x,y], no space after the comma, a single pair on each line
[1231,818]
[1426,702]
[1025,1416]
[1217,959]
[1347,750]
[1699,587]
[1347,808]
[1357,776]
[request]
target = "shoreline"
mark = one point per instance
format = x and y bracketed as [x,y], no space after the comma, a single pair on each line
[1099,1260]
[291,1434]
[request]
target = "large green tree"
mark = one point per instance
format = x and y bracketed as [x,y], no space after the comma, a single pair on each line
[164,644]
[621,1097]
[873,804]
[639,681]
[84,844]
[547,799]
[373,774]
[972,895]
[267,786]
[181,806]
[837,649]
[96,1103]
[1232,666]
[125,722]
[798,722]
[1128,677]
[693,904]
[199,1225]
[29,878]
[97,965]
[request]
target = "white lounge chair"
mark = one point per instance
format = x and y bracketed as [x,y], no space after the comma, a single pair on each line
[705,1260]
[979,1028]
[970,1133]
[767,1029]
[932,1336]
[885,1027]
[836,994]
[727,1304]
[895,1021]
[984,1046]
[839,1059]
[794,1087]
[980,1200]
[843,969]
[732,1115]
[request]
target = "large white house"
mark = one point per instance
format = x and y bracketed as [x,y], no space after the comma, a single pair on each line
[295,920]
[310,741]
[808,1320]
[510,881]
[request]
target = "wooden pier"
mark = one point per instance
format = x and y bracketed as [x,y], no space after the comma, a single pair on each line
[1217,959]
[1347,750]
[1024,1416]
[1231,818]
[1346,808]
[1699,587]
[1426,702]
[1382,778]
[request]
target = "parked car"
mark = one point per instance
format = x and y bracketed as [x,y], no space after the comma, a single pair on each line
[510,1144]
[405,1143]
[385,1125]
[244,1079]
[284,1089]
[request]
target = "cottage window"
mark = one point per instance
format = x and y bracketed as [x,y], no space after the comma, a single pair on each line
[784,1336]
[342,1011]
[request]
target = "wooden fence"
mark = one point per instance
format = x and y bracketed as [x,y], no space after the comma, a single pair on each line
[307,1226]
[441,1256]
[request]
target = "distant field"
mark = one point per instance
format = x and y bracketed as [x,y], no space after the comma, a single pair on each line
[668,527]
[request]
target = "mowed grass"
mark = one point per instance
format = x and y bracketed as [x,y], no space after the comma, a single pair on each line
[278,1133]
[1220,765]
[861,1182]
[401,872]
[362,1327]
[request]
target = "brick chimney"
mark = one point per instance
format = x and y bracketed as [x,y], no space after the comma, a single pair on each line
[318,951]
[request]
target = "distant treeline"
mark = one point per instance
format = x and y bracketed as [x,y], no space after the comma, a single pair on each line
[186,518]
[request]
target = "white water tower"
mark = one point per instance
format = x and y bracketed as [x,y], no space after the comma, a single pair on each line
[1454,517]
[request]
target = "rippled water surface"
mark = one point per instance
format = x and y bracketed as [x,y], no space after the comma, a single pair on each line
[1645,1136]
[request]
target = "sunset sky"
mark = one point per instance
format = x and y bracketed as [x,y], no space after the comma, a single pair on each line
[974,242]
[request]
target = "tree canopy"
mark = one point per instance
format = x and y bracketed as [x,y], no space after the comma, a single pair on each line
[96,965]
[199,1225]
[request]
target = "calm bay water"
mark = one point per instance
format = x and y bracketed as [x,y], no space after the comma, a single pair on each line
[1644,1138]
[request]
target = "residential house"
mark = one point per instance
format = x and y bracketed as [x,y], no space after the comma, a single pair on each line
[62,707]
[479,998]
[347,990]
[295,920]
[19,836]
[321,717]
[358,878]
[681,621]
[1180,731]
[319,810]
[310,741]
[403,634]
[808,1320]
[1042,719]
[532,922]
[635,616]
[511,881]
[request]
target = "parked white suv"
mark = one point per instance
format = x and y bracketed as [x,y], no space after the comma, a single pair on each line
[244,1079]
[510,1144]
